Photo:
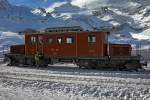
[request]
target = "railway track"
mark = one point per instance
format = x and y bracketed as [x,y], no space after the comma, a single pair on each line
[75,79]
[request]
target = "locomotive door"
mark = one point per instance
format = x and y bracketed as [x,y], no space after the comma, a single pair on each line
[40,44]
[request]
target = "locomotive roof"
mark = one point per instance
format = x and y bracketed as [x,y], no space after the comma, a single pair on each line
[69,32]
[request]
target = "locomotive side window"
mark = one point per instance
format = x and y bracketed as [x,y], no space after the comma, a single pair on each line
[50,40]
[33,40]
[91,39]
[59,40]
[40,39]
[69,40]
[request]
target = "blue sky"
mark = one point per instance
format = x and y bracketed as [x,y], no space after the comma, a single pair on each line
[34,3]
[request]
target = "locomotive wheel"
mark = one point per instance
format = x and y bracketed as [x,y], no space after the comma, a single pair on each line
[132,66]
[121,67]
[93,65]
[82,64]
[7,61]
[14,61]
[42,63]
[29,62]
[21,62]
[87,64]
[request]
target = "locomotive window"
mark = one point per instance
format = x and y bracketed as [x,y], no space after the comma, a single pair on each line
[91,39]
[33,40]
[59,40]
[50,40]
[40,39]
[69,40]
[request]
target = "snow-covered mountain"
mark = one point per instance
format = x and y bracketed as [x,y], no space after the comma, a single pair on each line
[17,18]
[129,19]
[67,8]
[4,4]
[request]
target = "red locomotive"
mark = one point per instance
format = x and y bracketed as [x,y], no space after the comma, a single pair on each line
[86,49]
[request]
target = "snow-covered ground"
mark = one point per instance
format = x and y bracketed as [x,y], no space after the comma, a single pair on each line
[67,82]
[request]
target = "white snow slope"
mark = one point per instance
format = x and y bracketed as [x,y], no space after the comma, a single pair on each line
[129,18]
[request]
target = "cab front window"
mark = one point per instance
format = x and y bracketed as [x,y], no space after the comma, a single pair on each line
[50,40]
[69,40]
[59,40]
[91,39]
[33,40]
[40,39]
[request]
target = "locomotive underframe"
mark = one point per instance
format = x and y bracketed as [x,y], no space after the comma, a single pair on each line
[115,63]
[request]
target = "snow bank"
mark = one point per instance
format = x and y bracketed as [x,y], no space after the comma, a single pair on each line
[57,84]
